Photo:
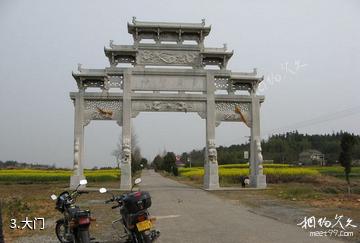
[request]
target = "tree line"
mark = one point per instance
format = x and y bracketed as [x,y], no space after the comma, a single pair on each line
[15,164]
[280,148]
[166,163]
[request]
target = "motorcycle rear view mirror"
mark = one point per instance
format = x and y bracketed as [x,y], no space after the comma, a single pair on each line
[83,182]
[53,197]
[137,181]
[102,190]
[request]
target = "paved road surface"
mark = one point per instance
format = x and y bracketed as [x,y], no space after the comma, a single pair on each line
[188,215]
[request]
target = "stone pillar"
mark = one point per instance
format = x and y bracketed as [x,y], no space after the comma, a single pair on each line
[125,166]
[211,175]
[78,171]
[257,178]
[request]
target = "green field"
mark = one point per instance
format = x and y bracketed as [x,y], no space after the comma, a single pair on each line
[42,175]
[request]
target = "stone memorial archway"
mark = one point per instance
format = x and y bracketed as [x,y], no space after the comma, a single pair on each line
[159,80]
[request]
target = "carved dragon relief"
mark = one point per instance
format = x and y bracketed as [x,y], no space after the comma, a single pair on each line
[244,115]
[167,57]
[105,113]
[227,111]
[102,110]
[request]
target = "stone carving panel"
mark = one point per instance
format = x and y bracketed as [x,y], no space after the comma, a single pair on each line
[235,112]
[169,106]
[202,114]
[259,157]
[229,85]
[115,82]
[165,106]
[126,151]
[76,153]
[222,83]
[102,110]
[240,86]
[212,153]
[163,57]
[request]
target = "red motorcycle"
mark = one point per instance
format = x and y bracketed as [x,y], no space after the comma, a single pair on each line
[74,226]
[136,220]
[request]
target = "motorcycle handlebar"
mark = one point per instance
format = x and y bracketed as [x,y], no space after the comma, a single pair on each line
[116,206]
[117,199]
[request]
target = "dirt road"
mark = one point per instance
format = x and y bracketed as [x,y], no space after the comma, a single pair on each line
[187,214]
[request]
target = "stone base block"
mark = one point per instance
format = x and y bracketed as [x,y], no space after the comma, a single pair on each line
[125,183]
[211,176]
[75,181]
[258,181]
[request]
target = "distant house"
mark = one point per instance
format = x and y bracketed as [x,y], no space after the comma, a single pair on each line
[356,162]
[311,157]
[179,163]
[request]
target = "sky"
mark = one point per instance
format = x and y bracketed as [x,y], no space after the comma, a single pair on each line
[308,51]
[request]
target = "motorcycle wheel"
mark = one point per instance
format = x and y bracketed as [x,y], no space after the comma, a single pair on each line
[83,236]
[141,237]
[60,230]
[146,237]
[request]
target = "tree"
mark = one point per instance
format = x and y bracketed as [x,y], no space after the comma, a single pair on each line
[347,143]
[169,162]
[135,149]
[144,163]
[158,162]
[175,170]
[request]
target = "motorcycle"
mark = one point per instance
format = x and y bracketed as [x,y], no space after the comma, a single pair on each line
[137,223]
[74,226]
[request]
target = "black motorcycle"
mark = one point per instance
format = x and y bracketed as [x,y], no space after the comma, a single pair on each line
[74,226]
[138,225]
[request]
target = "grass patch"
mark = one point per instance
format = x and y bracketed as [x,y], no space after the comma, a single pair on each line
[338,171]
[298,191]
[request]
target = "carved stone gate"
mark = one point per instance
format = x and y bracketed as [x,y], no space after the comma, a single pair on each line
[168,75]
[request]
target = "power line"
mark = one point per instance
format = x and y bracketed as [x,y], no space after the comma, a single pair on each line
[320,119]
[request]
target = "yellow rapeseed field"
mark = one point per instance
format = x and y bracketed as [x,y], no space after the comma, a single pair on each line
[42,175]
[275,172]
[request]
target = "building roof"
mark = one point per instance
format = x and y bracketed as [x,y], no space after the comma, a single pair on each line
[170,29]
[310,151]
[167,25]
